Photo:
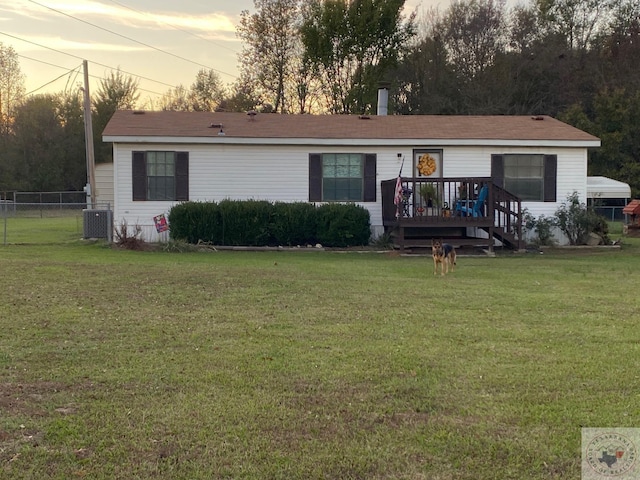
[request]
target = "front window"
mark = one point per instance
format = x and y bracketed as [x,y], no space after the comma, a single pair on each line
[524,176]
[161,175]
[342,177]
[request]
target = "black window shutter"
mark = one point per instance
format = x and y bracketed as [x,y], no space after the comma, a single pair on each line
[550,177]
[182,176]
[139,176]
[497,170]
[369,194]
[315,177]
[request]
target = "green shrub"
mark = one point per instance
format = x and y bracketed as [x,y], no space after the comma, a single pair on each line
[343,225]
[542,226]
[576,221]
[195,222]
[293,224]
[261,223]
[245,222]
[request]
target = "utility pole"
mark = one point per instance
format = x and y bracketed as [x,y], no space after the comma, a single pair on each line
[88,140]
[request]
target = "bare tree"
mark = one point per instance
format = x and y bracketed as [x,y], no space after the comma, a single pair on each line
[524,30]
[176,99]
[271,35]
[206,91]
[205,94]
[11,86]
[474,33]
[117,91]
[305,88]
[243,97]
[576,20]
[426,83]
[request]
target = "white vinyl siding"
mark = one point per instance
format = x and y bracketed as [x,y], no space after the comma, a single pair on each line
[104,185]
[476,162]
[281,173]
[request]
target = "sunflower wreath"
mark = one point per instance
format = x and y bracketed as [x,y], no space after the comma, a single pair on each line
[426,165]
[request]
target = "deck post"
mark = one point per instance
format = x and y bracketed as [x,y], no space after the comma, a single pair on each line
[491,239]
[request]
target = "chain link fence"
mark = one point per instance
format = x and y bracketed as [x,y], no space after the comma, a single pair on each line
[60,198]
[51,217]
[612,214]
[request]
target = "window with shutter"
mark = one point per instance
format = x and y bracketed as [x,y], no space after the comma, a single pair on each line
[182,176]
[160,176]
[342,177]
[139,176]
[532,177]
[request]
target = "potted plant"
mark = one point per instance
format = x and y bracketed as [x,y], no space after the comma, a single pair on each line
[429,195]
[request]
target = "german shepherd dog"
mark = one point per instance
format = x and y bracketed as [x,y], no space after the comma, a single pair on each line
[444,255]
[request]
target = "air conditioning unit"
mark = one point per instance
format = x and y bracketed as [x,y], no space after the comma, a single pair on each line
[98,224]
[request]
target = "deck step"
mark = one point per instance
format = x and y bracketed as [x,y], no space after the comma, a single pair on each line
[456,242]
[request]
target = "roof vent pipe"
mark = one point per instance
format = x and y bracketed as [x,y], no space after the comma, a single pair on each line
[383,99]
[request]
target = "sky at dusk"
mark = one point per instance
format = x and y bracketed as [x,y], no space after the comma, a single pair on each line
[161,43]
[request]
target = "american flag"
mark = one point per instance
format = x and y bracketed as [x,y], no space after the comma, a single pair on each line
[397,199]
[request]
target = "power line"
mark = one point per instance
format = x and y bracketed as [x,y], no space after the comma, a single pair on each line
[92,76]
[80,58]
[131,39]
[176,27]
[69,79]
[42,61]
[48,83]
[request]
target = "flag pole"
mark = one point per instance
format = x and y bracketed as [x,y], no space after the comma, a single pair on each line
[398,194]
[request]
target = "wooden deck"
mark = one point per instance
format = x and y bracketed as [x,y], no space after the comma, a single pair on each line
[416,220]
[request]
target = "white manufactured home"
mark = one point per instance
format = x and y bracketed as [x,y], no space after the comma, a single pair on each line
[162,158]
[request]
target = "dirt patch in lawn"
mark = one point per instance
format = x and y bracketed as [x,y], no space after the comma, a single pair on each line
[27,398]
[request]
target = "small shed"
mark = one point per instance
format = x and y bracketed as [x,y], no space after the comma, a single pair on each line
[632,211]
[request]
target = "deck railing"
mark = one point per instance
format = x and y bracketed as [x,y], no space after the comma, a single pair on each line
[445,202]
[431,200]
[508,215]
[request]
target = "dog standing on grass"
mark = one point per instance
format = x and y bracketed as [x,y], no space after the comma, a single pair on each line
[444,255]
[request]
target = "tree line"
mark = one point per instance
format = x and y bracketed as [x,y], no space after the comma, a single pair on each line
[572,59]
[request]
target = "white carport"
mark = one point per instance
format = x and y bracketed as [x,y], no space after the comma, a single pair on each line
[608,196]
[604,187]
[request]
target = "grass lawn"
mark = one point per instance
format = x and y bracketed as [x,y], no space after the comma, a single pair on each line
[272,365]
[36,227]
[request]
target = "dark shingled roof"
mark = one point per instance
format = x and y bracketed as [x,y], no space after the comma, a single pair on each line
[127,123]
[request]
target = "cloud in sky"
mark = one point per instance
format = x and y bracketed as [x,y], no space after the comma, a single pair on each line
[117,33]
[39,18]
[119,13]
[77,47]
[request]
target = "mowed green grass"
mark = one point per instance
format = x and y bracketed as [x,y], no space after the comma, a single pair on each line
[40,227]
[268,365]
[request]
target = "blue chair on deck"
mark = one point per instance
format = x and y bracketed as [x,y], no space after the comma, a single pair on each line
[473,208]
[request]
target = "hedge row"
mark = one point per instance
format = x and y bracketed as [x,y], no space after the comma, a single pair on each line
[262,223]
